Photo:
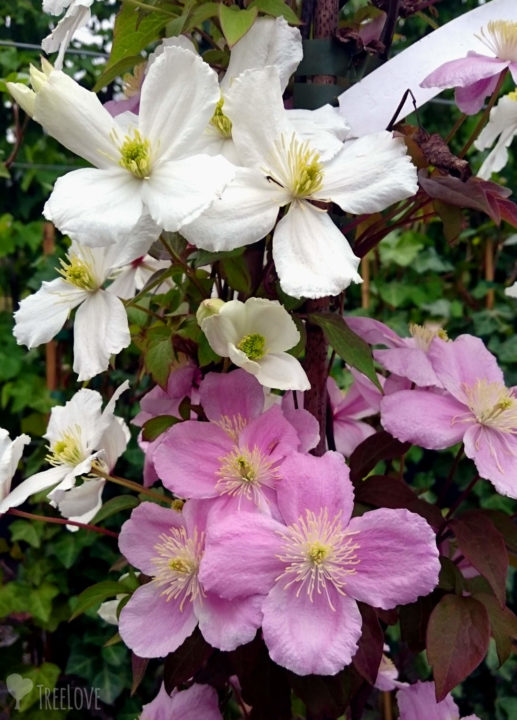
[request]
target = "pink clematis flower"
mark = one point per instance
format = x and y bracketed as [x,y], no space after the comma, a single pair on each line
[349,408]
[313,566]
[418,702]
[476,76]
[405,357]
[199,701]
[476,408]
[182,383]
[238,454]
[168,545]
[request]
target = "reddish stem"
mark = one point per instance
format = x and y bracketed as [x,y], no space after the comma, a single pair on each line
[62,521]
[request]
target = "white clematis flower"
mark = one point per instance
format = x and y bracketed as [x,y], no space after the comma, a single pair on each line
[10,455]
[311,255]
[80,434]
[501,130]
[133,277]
[255,336]
[77,15]
[101,325]
[143,165]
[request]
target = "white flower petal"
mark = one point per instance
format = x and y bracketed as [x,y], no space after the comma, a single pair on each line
[282,371]
[114,441]
[268,42]
[245,213]
[76,118]
[178,191]
[83,410]
[100,330]
[179,95]
[312,257]
[511,291]
[10,455]
[254,104]
[502,126]
[270,319]
[325,129]
[42,315]
[60,37]
[34,484]
[80,503]
[369,174]
[222,331]
[95,206]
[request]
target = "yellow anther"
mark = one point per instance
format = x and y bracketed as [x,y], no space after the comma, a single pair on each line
[78,272]
[220,121]
[253,346]
[135,155]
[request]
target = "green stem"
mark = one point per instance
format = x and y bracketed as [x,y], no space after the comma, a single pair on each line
[484,117]
[131,485]
[186,267]
[459,122]
[62,521]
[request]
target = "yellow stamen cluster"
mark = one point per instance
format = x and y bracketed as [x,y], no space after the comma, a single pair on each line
[253,346]
[135,155]
[319,554]
[500,36]
[68,449]
[493,405]
[424,336]
[76,271]
[177,563]
[305,169]
[513,95]
[243,472]
[220,121]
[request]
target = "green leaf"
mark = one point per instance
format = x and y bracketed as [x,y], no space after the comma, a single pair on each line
[503,624]
[276,8]
[159,353]
[347,344]
[43,677]
[237,273]
[110,683]
[132,33]
[202,13]
[154,427]
[81,662]
[235,22]
[115,655]
[27,531]
[96,594]
[458,634]
[115,505]
[40,599]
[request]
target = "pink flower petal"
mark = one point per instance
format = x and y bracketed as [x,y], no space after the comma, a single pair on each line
[374,332]
[226,624]
[462,362]
[423,417]
[231,395]
[495,456]
[464,71]
[188,458]
[152,626]
[313,483]
[196,703]
[240,555]
[311,637]
[470,99]
[271,433]
[398,558]
[408,362]
[304,423]
[348,434]
[418,702]
[142,531]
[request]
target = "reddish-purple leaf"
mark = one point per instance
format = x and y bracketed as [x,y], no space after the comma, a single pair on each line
[458,634]
[484,547]
[381,446]
[138,667]
[392,492]
[369,652]
[506,526]
[503,623]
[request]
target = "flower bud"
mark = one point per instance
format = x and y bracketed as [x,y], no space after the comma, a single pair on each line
[208,308]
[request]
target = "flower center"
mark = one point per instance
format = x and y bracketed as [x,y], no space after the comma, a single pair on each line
[253,346]
[424,336]
[243,472]
[500,36]
[177,564]
[135,155]
[76,271]
[298,167]
[319,554]
[493,405]
[68,449]
[220,121]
